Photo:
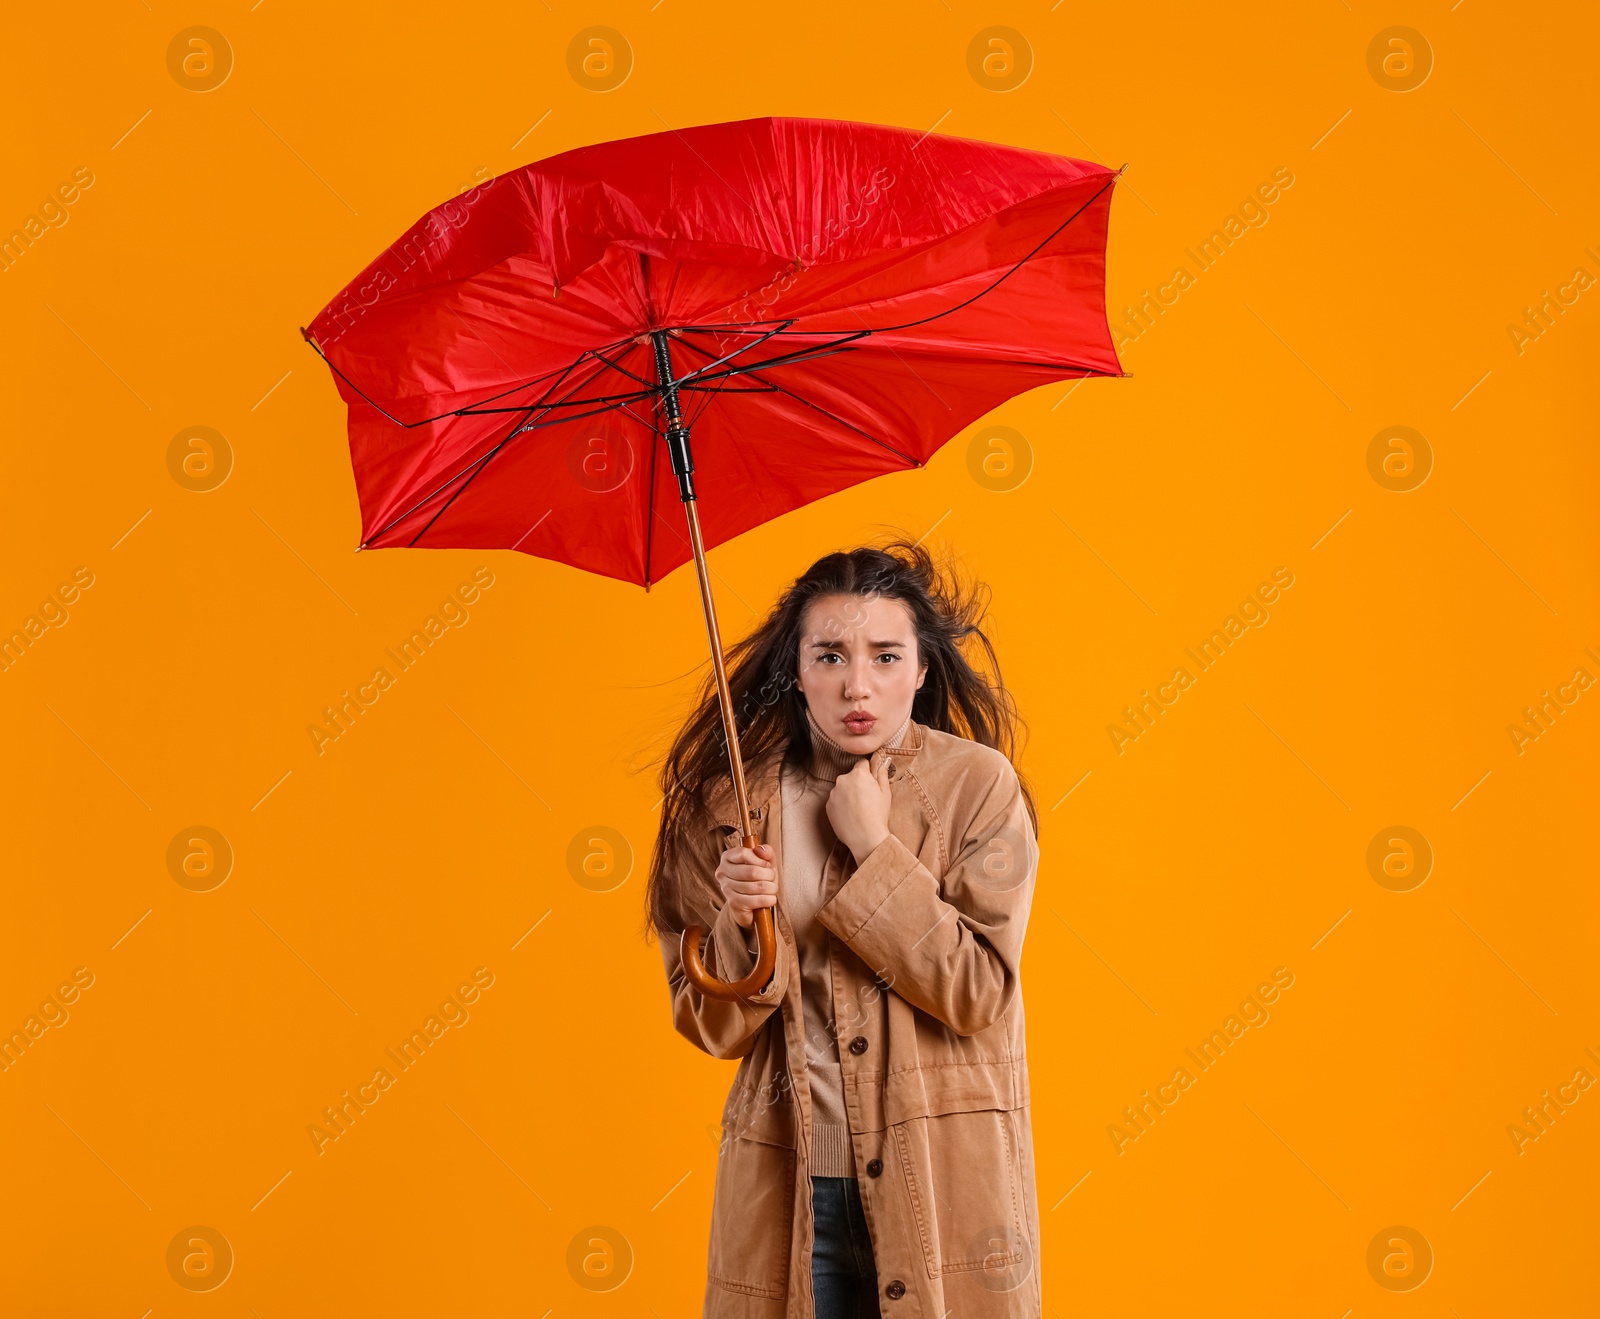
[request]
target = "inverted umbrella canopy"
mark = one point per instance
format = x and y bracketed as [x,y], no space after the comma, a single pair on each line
[818,302]
[842,298]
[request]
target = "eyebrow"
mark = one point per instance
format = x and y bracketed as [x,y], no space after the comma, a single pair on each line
[875,645]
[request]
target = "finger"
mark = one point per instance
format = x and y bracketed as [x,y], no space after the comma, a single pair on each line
[764,851]
[742,856]
[747,887]
[763,873]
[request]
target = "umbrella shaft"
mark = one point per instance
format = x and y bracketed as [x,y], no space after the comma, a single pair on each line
[683,468]
[724,696]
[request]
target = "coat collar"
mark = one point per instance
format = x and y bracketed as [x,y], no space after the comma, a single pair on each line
[762,778]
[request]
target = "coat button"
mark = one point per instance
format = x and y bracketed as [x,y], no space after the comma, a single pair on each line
[875,1168]
[895,1290]
[859,1044]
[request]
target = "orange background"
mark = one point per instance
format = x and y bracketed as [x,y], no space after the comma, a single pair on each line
[1229,840]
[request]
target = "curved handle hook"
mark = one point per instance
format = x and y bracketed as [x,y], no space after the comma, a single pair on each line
[732,990]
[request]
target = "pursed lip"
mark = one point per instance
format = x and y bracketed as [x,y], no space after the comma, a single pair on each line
[860,721]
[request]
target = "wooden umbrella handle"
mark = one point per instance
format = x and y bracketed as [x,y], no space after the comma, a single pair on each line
[732,990]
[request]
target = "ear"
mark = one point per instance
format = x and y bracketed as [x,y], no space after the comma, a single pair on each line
[922,675]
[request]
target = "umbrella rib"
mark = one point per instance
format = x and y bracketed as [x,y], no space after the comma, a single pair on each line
[576,416]
[788,359]
[849,425]
[720,386]
[460,490]
[830,350]
[824,411]
[610,400]
[434,493]
[438,490]
[483,462]
[631,345]
[841,344]
[728,357]
[558,372]
[481,466]
[1045,242]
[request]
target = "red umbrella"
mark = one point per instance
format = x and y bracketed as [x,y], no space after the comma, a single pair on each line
[819,302]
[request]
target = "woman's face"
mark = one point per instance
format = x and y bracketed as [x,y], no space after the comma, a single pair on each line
[859,668]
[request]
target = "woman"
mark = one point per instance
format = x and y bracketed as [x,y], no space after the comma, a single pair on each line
[877,1156]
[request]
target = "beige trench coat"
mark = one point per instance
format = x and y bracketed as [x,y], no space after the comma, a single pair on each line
[926,939]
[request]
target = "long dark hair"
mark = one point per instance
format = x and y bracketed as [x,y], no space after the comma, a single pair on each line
[958,696]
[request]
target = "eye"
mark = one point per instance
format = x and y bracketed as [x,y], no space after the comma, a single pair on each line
[830,657]
[890,656]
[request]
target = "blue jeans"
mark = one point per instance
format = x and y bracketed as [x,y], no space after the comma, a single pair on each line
[844,1278]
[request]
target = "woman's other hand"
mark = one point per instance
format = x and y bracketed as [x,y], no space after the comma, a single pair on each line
[858,808]
[748,881]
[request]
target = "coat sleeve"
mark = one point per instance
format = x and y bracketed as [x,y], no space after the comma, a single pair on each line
[722,1029]
[950,947]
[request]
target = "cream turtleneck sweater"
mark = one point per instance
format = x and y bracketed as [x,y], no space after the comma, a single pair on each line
[808,842]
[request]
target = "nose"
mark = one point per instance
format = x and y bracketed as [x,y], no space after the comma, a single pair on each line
[856,686]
